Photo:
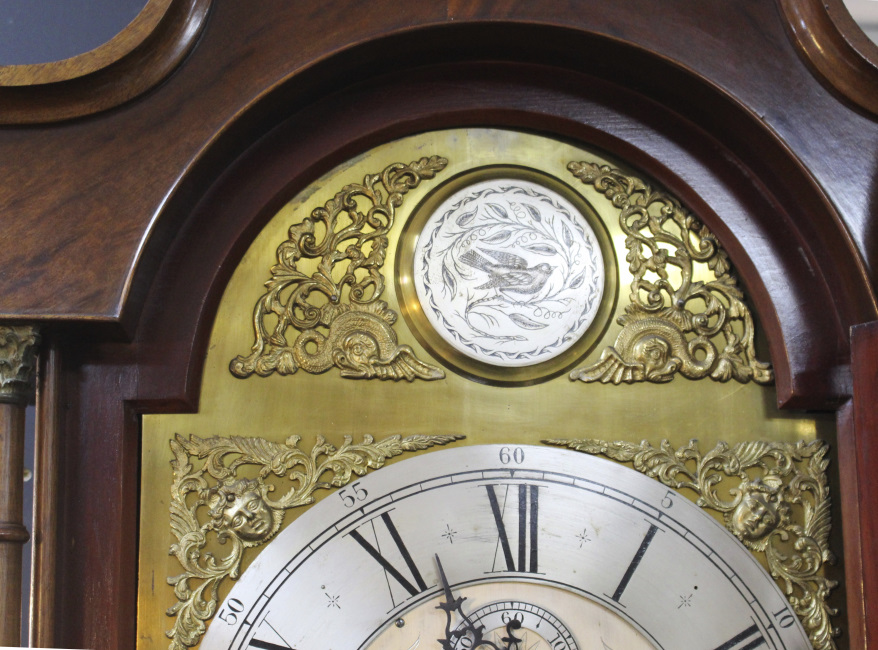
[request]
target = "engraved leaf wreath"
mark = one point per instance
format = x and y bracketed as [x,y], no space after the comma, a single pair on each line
[521,225]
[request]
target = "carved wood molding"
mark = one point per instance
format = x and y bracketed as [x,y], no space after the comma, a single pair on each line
[137,59]
[122,44]
[835,47]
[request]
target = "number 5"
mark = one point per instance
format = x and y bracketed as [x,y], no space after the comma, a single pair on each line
[359,494]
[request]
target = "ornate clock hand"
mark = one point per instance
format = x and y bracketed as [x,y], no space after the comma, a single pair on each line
[468,629]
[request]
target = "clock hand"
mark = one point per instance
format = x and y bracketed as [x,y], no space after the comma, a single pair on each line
[468,628]
[449,597]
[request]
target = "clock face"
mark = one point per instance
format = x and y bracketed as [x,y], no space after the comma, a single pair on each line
[545,618]
[576,550]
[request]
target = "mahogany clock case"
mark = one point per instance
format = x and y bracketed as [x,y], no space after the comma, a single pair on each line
[799,265]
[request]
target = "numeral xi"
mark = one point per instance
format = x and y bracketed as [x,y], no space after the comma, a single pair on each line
[392,570]
[267,645]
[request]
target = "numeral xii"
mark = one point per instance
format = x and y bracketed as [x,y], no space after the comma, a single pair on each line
[528,528]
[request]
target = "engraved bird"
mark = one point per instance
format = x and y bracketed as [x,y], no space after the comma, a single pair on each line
[508,272]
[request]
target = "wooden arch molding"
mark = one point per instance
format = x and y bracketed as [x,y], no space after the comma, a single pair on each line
[836,48]
[679,129]
[138,58]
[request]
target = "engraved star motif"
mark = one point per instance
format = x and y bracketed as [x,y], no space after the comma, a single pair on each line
[449,534]
[333,601]
[583,537]
[685,601]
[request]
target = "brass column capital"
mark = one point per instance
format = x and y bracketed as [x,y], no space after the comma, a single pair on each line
[18,345]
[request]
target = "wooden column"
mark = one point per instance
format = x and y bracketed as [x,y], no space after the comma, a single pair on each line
[862,482]
[17,348]
[46,486]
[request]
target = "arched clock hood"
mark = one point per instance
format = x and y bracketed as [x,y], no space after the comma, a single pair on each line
[125,218]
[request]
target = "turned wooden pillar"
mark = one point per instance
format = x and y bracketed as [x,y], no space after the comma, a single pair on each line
[17,352]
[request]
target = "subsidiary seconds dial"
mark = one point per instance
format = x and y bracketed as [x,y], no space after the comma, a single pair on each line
[530,534]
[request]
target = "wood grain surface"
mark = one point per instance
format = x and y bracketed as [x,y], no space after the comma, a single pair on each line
[865,446]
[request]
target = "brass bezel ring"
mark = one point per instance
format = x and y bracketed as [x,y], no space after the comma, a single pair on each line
[444,352]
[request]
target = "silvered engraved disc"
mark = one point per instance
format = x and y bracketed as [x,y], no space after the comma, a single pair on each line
[508,272]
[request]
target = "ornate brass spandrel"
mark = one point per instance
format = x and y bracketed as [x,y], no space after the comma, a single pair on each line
[773,496]
[675,322]
[18,346]
[211,503]
[349,243]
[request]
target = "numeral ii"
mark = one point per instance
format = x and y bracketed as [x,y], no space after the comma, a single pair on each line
[528,528]
[746,640]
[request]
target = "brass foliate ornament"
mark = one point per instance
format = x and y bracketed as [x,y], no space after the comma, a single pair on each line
[211,503]
[773,496]
[675,323]
[335,312]
[18,345]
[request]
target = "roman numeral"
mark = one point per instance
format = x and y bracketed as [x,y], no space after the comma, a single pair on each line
[403,551]
[746,640]
[528,528]
[650,534]
[267,645]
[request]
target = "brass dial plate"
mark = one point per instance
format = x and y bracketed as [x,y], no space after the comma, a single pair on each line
[310,405]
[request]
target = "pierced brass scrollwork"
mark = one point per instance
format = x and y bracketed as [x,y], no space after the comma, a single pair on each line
[342,295]
[211,503]
[674,322]
[773,497]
